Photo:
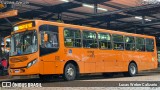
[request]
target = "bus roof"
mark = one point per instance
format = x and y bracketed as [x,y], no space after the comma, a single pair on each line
[87,28]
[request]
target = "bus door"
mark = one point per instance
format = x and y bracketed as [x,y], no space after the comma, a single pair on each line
[129,53]
[90,45]
[118,46]
[150,53]
[140,52]
[105,59]
[49,46]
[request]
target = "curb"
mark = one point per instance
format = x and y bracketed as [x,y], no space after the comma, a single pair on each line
[4,78]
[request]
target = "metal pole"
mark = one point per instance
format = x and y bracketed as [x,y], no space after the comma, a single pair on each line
[143,20]
[59,16]
[95,8]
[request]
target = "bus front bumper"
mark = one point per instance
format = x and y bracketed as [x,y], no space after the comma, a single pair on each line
[33,70]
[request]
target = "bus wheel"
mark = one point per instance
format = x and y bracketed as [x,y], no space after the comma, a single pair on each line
[108,75]
[69,72]
[132,70]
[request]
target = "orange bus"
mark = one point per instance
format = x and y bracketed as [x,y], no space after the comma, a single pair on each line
[48,48]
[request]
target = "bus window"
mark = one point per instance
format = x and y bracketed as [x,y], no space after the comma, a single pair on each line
[149,45]
[118,42]
[8,43]
[90,39]
[72,37]
[129,43]
[104,41]
[51,33]
[52,40]
[16,44]
[140,44]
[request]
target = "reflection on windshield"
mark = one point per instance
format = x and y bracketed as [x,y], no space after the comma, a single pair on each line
[23,43]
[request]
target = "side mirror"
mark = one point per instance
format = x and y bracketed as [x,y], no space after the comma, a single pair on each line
[45,37]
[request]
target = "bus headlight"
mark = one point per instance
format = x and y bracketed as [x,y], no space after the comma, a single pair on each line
[31,63]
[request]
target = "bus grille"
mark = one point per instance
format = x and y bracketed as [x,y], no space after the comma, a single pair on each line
[18,59]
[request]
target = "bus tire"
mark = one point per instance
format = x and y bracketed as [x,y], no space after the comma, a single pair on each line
[132,70]
[70,72]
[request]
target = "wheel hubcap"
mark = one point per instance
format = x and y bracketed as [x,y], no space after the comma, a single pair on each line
[70,72]
[133,69]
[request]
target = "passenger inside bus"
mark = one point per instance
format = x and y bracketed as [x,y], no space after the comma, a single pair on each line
[18,45]
[52,41]
[120,47]
[48,44]
[30,46]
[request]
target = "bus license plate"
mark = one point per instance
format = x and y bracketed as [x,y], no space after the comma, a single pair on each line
[17,71]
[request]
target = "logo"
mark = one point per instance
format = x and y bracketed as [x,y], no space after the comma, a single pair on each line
[70,51]
[13,84]
[6,84]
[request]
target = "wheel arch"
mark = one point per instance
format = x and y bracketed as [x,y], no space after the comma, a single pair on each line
[132,61]
[74,63]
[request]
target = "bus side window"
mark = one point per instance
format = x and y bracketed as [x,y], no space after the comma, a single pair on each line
[72,37]
[140,44]
[149,45]
[90,39]
[104,41]
[118,42]
[52,41]
[129,43]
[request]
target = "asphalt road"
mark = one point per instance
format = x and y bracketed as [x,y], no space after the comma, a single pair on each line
[142,76]
[98,81]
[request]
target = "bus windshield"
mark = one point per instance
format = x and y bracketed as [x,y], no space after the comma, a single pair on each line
[24,43]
